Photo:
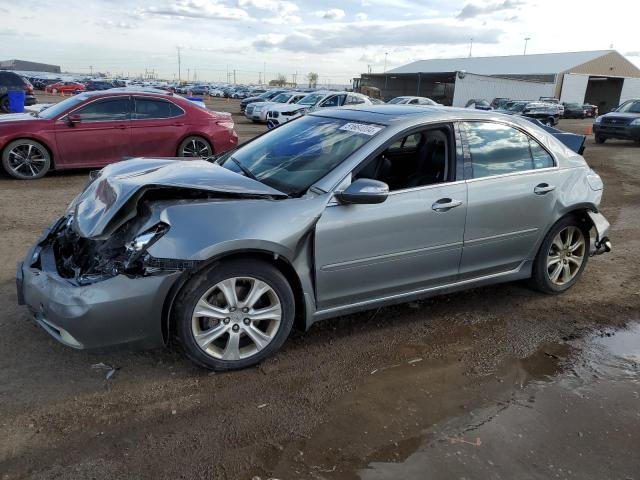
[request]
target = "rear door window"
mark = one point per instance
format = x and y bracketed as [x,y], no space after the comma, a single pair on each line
[498,149]
[152,108]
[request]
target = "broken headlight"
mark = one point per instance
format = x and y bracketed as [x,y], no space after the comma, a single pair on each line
[144,240]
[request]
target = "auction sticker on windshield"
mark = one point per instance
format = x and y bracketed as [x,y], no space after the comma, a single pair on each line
[363,128]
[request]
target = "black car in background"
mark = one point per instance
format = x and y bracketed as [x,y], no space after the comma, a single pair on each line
[96,85]
[546,113]
[478,104]
[10,81]
[592,110]
[622,123]
[43,83]
[574,110]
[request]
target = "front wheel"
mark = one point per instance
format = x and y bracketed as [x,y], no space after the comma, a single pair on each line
[562,257]
[195,147]
[26,159]
[234,315]
[600,139]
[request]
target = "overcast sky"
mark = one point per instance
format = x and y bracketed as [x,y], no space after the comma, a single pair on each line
[336,38]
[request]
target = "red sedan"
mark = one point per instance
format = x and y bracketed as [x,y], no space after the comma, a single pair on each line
[94,129]
[65,87]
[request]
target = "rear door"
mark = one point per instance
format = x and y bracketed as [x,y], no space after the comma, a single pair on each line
[157,127]
[512,184]
[102,136]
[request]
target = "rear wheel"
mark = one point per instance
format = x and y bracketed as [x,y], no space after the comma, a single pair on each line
[195,147]
[562,257]
[548,122]
[600,139]
[26,159]
[234,315]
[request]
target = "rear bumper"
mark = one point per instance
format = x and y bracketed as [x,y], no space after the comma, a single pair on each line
[625,132]
[117,311]
[30,100]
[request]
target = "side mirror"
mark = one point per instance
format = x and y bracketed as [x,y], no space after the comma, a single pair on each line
[73,119]
[364,191]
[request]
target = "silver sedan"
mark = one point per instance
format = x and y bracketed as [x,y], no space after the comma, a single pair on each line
[339,211]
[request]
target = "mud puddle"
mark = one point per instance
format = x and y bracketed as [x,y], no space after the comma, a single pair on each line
[569,410]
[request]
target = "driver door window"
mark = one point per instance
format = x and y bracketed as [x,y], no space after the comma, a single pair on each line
[418,159]
[115,109]
[333,101]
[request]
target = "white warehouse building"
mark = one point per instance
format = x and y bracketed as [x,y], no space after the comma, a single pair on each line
[604,78]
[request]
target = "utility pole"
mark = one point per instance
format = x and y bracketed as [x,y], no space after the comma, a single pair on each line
[188,74]
[470,47]
[234,76]
[526,40]
[259,78]
[179,65]
[91,69]
[385,62]
[264,72]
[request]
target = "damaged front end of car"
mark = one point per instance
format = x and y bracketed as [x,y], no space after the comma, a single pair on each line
[85,261]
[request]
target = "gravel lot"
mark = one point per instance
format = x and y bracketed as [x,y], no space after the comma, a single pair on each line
[498,382]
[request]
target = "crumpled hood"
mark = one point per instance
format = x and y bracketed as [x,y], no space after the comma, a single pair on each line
[100,208]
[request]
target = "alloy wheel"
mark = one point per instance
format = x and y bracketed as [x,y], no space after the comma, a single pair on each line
[566,255]
[236,318]
[27,160]
[196,148]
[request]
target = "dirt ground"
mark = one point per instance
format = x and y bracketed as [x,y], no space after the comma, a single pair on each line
[498,382]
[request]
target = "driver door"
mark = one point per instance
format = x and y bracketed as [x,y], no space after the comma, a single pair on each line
[102,136]
[391,249]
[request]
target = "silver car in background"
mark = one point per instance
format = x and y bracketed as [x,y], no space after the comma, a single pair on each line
[339,211]
[257,111]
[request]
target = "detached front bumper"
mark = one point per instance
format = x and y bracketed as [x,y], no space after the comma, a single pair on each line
[116,311]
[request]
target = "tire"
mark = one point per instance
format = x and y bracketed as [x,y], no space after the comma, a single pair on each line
[562,258]
[4,104]
[548,122]
[223,352]
[600,139]
[195,146]
[26,159]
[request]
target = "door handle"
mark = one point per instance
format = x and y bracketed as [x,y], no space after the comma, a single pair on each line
[543,189]
[177,124]
[445,204]
[121,126]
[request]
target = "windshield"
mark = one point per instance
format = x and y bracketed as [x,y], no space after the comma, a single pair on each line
[297,154]
[630,107]
[282,98]
[397,100]
[311,99]
[55,110]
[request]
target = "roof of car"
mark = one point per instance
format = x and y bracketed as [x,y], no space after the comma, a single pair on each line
[390,114]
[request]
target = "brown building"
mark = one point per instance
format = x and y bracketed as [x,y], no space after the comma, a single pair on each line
[604,78]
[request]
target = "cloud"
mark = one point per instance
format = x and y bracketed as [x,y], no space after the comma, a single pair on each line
[331,14]
[362,17]
[210,9]
[350,35]
[633,53]
[115,24]
[8,31]
[280,7]
[471,10]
